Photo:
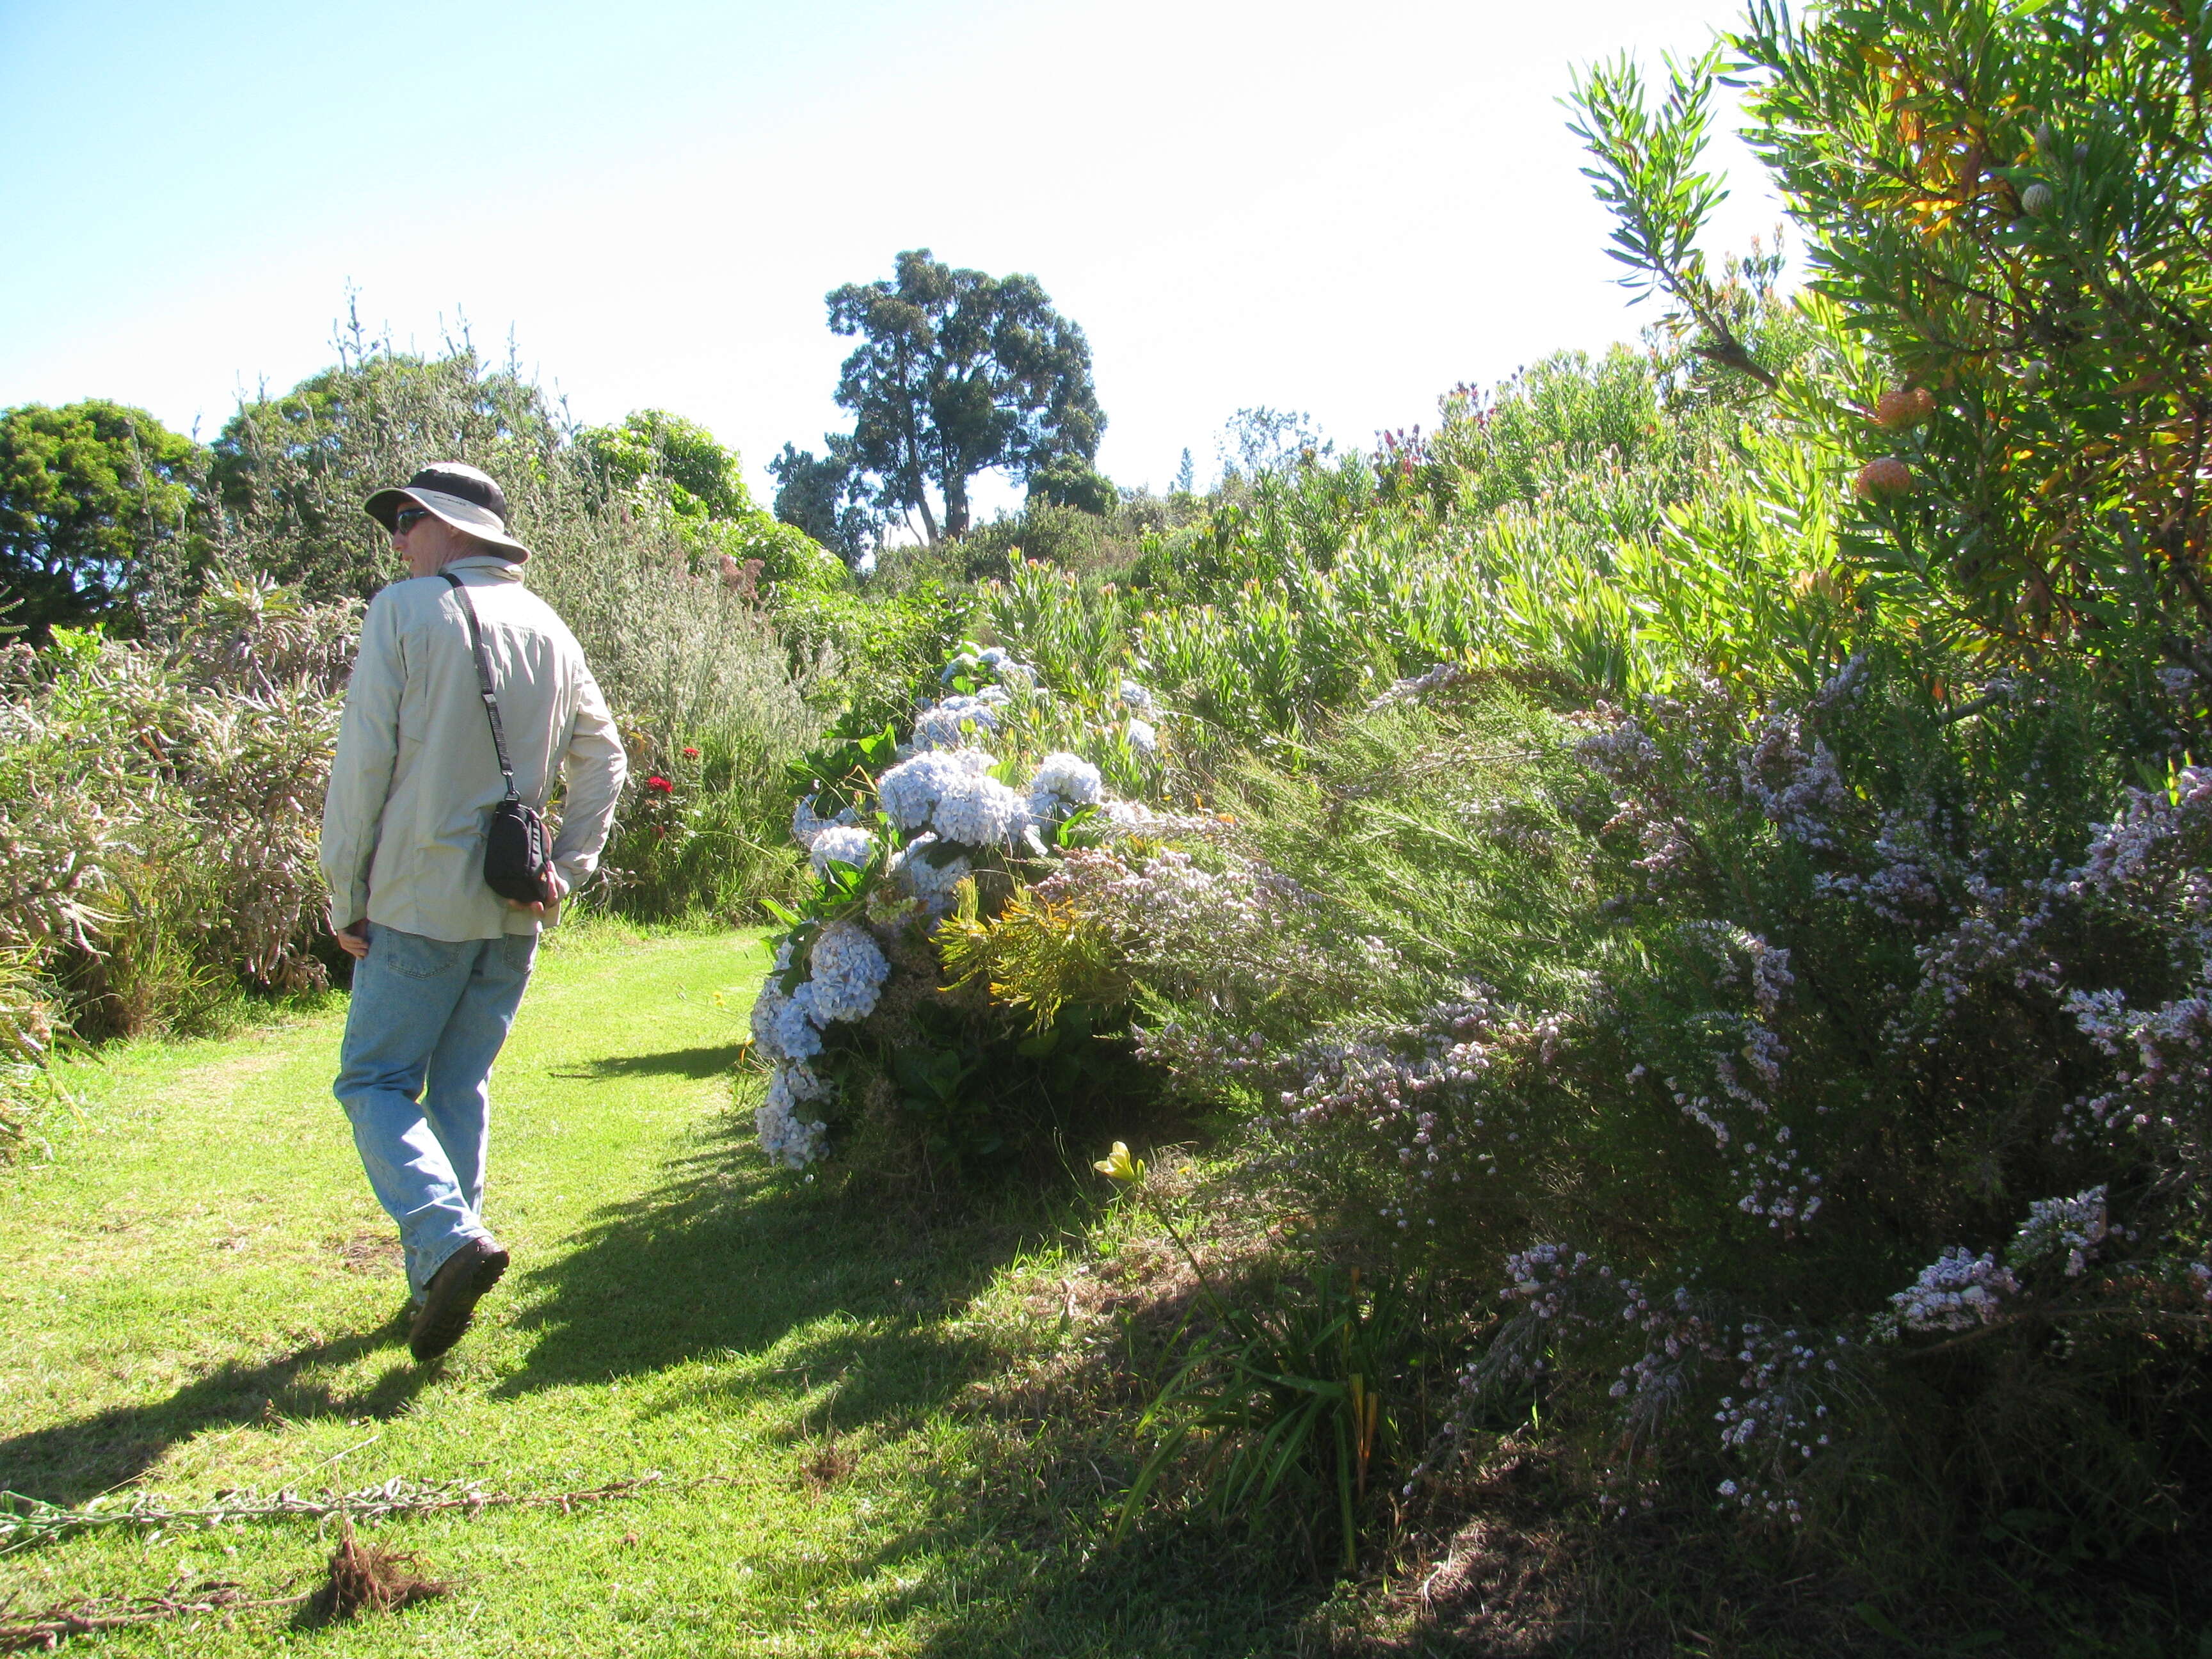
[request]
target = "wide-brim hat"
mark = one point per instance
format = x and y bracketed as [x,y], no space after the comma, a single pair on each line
[469,501]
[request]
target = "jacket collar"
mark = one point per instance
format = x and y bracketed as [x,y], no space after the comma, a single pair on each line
[487,565]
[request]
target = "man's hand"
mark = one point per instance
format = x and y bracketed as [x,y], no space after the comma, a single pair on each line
[353,938]
[556,891]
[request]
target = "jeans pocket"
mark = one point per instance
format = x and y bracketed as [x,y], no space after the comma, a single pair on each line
[520,950]
[413,957]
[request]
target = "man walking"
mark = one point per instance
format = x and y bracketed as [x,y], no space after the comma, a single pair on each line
[440,959]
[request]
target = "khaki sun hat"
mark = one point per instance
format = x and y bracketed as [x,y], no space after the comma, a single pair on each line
[457,494]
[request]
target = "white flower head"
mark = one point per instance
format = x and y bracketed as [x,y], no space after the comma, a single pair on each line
[847,973]
[788,1140]
[929,881]
[781,1024]
[1068,779]
[1142,737]
[980,812]
[909,792]
[841,844]
[951,723]
[805,824]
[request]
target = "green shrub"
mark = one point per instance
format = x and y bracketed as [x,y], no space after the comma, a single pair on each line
[162,804]
[28,1091]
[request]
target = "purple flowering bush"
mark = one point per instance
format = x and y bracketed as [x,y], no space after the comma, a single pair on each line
[1809,1099]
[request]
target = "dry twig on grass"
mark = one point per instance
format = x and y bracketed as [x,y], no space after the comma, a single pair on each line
[27,1521]
[44,1631]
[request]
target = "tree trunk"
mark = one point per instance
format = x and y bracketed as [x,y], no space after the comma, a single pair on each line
[955,505]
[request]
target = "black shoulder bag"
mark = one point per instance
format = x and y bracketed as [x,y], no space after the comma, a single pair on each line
[518,853]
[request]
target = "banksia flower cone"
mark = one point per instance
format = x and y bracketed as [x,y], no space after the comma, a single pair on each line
[1908,406]
[1887,476]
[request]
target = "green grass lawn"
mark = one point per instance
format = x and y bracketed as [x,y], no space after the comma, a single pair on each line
[197,1293]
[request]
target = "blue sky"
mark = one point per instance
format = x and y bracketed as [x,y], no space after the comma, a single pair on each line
[1339,209]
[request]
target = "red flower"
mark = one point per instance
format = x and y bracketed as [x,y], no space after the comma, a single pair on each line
[690,754]
[659,786]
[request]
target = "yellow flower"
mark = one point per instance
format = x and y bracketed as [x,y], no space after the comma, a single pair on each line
[1120,1165]
[719,1000]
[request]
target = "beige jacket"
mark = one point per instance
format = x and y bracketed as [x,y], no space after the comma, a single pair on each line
[415,777]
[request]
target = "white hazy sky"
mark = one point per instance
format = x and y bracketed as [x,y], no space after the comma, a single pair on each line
[1340,210]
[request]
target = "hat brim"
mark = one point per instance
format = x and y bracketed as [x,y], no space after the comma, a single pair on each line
[480,523]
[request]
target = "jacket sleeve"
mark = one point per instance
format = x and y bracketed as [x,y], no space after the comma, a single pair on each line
[361,770]
[593,769]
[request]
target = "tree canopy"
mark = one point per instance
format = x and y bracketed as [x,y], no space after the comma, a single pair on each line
[827,497]
[292,471]
[86,490]
[702,479]
[957,372]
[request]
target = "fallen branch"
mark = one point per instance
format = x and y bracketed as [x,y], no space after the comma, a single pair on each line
[46,1630]
[28,1521]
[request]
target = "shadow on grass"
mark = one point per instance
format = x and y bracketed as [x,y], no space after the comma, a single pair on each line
[1005,1553]
[696,1063]
[68,1462]
[720,1259]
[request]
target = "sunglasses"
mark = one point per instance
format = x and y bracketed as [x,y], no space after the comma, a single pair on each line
[406,518]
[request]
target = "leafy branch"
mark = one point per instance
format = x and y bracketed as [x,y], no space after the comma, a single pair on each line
[1649,177]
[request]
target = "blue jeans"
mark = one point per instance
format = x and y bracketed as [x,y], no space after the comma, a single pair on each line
[426,1020]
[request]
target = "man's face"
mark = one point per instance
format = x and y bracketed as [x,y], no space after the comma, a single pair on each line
[426,541]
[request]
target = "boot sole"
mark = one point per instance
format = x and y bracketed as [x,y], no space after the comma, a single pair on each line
[446,1320]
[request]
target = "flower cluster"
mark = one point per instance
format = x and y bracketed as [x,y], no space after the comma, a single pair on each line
[957,721]
[1063,783]
[806,825]
[946,814]
[845,975]
[1799,790]
[2075,1225]
[921,869]
[841,844]
[1956,1291]
[1783,1422]
[951,794]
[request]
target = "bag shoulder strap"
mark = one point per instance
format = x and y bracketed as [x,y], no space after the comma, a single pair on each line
[483,682]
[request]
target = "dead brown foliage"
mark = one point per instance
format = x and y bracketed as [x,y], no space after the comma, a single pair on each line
[369,1578]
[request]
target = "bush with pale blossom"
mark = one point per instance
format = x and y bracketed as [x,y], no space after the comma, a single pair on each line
[857,1012]
[1740,1041]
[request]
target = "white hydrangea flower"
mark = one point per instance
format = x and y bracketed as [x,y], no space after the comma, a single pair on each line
[781,1024]
[980,812]
[909,792]
[847,975]
[1072,778]
[788,1140]
[806,825]
[931,883]
[1136,697]
[941,725]
[951,792]
[841,844]
[1142,737]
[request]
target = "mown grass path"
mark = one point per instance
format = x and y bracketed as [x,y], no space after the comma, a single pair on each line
[198,1293]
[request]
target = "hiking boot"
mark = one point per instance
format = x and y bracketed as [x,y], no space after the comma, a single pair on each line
[450,1302]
